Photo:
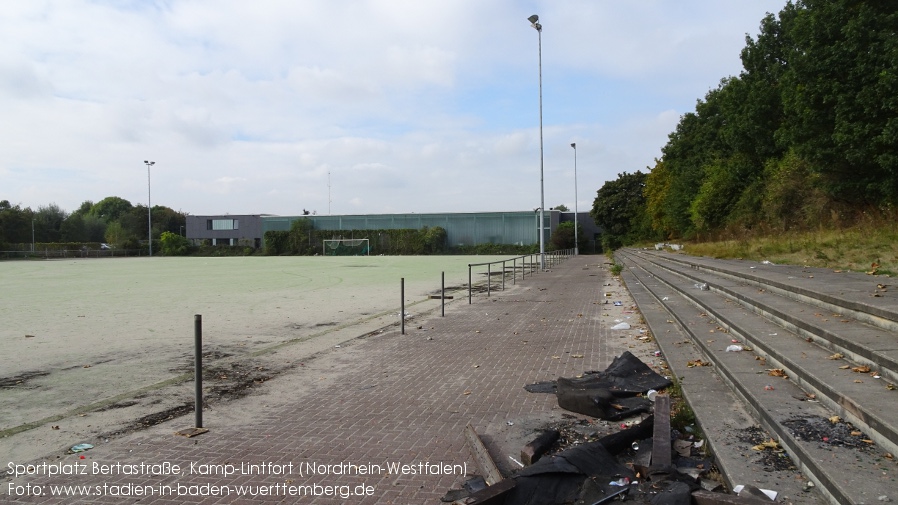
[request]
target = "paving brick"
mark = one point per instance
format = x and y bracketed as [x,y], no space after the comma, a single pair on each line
[395,398]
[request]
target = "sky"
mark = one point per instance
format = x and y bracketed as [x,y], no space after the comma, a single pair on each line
[350,107]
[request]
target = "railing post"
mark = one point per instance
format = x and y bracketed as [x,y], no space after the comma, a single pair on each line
[198,368]
[402,305]
[489,280]
[469,284]
[503,275]
[514,270]
[443,294]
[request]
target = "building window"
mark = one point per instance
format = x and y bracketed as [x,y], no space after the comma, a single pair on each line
[221,224]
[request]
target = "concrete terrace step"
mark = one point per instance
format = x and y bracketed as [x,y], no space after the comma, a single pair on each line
[739,303]
[810,365]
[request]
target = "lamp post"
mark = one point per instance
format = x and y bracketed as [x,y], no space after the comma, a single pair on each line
[32,234]
[576,242]
[149,207]
[534,22]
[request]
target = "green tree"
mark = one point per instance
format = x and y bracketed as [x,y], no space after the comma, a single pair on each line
[49,220]
[840,96]
[73,229]
[134,222]
[564,237]
[173,244]
[562,208]
[300,239]
[620,210]
[434,239]
[15,224]
[94,228]
[167,219]
[117,235]
[111,208]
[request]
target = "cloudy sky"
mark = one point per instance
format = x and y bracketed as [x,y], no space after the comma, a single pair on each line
[342,107]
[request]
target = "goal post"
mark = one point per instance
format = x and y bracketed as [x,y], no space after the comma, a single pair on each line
[345,247]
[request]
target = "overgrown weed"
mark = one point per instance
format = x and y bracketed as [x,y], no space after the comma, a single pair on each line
[868,247]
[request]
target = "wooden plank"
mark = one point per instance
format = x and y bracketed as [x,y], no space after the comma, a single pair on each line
[537,447]
[661,434]
[482,457]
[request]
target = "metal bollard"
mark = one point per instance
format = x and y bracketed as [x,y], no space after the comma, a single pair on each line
[198,368]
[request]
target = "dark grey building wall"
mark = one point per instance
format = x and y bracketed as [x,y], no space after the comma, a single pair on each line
[248,232]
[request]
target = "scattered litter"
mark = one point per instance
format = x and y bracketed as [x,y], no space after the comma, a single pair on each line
[768,387]
[618,304]
[621,326]
[770,494]
[516,462]
[703,286]
[191,432]
[81,448]
[734,348]
[766,262]
[770,444]
[778,372]
[651,394]
[697,362]
[509,423]
[683,447]
[837,355]
[665,299]
[611,394]
[623,481]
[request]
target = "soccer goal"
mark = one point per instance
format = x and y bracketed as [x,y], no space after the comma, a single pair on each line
[345,247]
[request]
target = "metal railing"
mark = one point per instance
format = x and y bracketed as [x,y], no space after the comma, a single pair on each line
[529,263]
[70,253]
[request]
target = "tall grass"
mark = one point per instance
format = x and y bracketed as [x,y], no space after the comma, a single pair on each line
[867,247]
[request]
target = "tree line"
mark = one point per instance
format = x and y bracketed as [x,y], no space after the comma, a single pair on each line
[112,220]
[805,136]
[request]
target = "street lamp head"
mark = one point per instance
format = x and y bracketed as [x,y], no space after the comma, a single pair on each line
[534,22]
[149,163]
[574,145]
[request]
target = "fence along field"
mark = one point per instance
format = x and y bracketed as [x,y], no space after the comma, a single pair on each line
[81,331]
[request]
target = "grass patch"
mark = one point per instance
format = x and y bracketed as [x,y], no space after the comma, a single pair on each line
[870,247]
[616,268]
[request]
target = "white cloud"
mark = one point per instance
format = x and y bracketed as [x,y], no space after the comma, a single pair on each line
[410,106]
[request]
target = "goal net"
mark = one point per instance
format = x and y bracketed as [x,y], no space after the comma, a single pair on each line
[345,247]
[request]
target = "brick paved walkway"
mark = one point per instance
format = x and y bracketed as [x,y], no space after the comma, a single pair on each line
[387,398]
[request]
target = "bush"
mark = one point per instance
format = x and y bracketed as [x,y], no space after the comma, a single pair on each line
[173,244]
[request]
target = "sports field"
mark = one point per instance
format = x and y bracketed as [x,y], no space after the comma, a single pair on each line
[76,333]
